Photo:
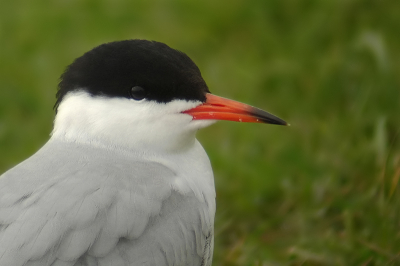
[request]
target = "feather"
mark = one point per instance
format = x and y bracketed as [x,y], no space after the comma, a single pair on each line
[89,208]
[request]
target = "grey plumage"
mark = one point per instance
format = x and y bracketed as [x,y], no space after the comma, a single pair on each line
[76,204]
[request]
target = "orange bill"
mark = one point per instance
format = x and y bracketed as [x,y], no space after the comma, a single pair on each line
[218,108]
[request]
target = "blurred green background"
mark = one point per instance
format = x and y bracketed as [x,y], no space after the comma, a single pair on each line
[324,191]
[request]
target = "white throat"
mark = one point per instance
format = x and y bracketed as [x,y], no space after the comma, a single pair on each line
[143,126]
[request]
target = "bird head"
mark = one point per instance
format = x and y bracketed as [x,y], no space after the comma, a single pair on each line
[141,95]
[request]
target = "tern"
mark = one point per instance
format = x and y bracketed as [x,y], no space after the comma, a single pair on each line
[122,179]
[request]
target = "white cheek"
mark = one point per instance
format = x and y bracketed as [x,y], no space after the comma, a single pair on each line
[125,122]
[199,124]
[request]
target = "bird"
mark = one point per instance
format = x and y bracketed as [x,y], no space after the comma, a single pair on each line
[122,179]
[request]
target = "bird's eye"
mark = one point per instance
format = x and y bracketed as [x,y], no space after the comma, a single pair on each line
[137,93]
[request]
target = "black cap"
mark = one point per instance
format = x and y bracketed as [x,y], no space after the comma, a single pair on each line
[113,69]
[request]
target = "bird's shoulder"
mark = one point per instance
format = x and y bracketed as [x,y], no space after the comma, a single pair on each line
[68,200]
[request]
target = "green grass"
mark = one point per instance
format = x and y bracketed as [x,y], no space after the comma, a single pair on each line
[324,191]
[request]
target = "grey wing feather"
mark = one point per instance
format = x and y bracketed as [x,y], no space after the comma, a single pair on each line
[73,205]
